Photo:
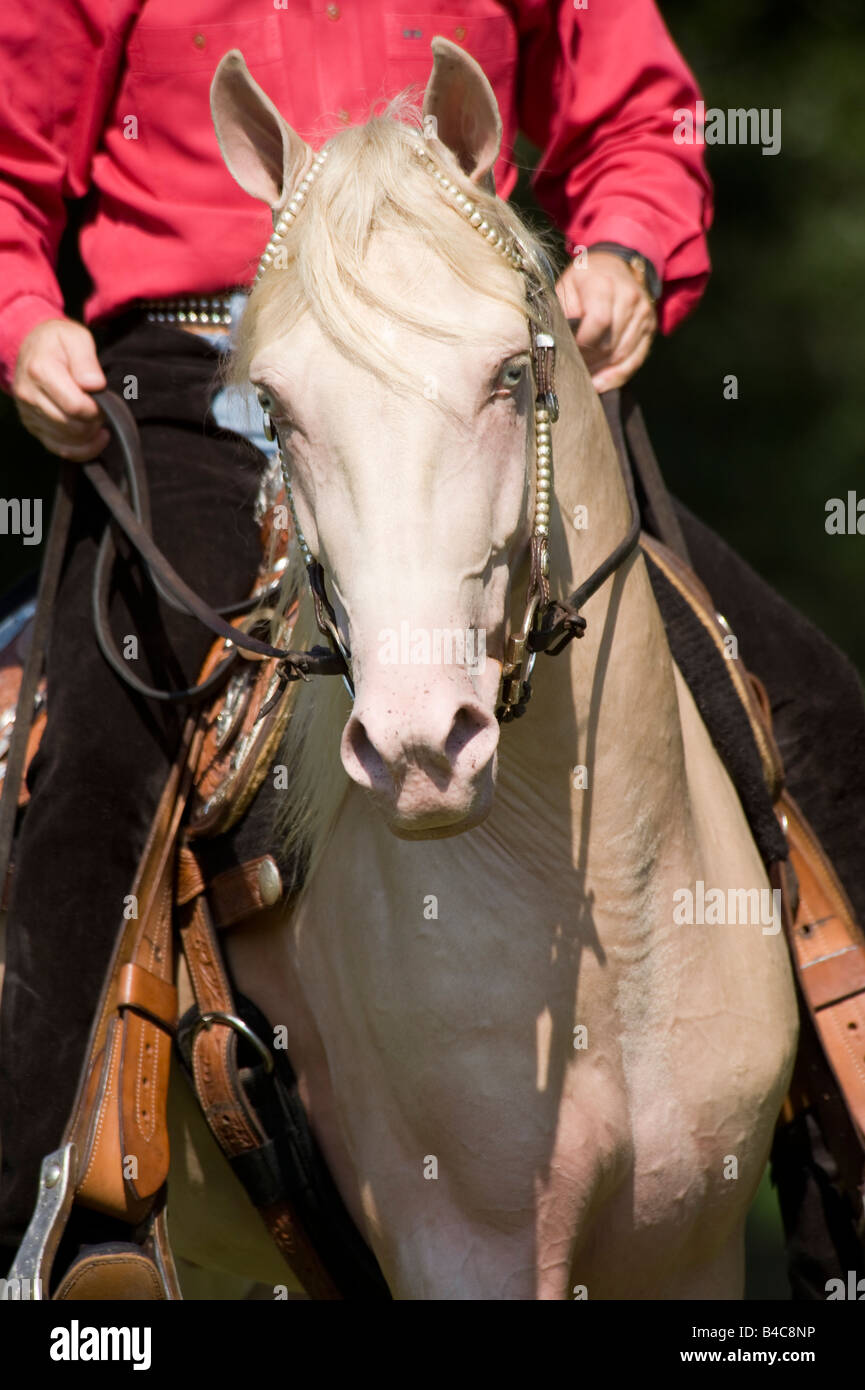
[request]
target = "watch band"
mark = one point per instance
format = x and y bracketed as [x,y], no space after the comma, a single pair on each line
[641,266]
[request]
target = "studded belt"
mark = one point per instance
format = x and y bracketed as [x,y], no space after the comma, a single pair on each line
[206,311]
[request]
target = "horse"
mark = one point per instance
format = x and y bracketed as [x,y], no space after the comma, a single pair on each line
[528,1077]
[529,1080]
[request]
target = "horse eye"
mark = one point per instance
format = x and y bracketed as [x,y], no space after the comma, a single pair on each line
[512,374]
[266,401]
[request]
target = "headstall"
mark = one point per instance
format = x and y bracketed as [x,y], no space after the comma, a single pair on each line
[547,625]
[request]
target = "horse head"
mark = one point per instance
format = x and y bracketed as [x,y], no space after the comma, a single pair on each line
[391,346]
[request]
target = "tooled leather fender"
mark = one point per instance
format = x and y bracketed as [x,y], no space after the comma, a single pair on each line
[827,947]
[119,1122]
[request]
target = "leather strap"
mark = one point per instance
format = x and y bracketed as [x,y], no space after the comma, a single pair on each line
[828,950]
[134,521]
[119,1123]
[746,687]
[233,894]
[559,623]
[649,473]
[214,1065]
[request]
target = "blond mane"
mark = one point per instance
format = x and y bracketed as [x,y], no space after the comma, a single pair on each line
[371,182]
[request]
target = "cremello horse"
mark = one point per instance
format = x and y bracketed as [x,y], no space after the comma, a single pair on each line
[528,1081]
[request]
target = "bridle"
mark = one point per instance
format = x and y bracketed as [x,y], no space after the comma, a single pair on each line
[548,625]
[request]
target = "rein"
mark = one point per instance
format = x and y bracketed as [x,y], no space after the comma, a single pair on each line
[548,625]
[132,517]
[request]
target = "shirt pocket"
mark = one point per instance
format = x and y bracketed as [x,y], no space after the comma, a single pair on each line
[197,48]
[170,70]
[491,39]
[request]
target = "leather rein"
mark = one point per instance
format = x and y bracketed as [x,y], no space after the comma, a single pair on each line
[548,626]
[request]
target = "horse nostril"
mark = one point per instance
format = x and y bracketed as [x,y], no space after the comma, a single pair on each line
[470,724]
[361,759]
[358,740]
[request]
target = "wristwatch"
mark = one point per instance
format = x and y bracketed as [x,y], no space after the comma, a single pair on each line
[640,265]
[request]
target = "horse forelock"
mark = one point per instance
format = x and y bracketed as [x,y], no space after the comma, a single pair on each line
[371,183]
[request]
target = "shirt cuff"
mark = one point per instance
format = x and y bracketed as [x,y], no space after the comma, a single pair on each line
[16,321]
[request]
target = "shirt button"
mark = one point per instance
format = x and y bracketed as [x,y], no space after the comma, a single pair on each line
[460,32]
[199,40]
[343,115]
[333,11]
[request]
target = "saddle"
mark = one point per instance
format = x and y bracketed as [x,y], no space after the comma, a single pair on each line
[114,1156]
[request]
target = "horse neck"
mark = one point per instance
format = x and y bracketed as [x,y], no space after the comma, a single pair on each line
[609,702]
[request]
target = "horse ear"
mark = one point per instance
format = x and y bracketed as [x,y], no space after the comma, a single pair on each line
[462,105]
[260,149]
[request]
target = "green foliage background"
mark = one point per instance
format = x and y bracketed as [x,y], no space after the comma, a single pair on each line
[784,308]
[783,313]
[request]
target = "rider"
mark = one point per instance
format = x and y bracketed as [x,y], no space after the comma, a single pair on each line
[114,103]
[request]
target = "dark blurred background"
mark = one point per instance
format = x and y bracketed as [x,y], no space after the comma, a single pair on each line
[784,308]
[783,313]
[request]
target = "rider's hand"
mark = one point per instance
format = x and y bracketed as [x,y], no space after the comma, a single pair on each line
[617,320]
[57,366]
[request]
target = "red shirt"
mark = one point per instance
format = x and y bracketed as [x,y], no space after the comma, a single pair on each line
[112,96]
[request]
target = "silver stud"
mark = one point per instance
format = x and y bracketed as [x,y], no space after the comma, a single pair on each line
[269,882]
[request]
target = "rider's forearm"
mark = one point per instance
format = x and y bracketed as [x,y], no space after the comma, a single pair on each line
[56,64]
[601,85]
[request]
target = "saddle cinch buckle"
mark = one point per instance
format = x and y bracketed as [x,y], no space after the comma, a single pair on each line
[146,1271]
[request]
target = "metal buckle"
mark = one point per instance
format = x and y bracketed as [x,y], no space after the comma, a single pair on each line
[206,1020]
[517,669]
